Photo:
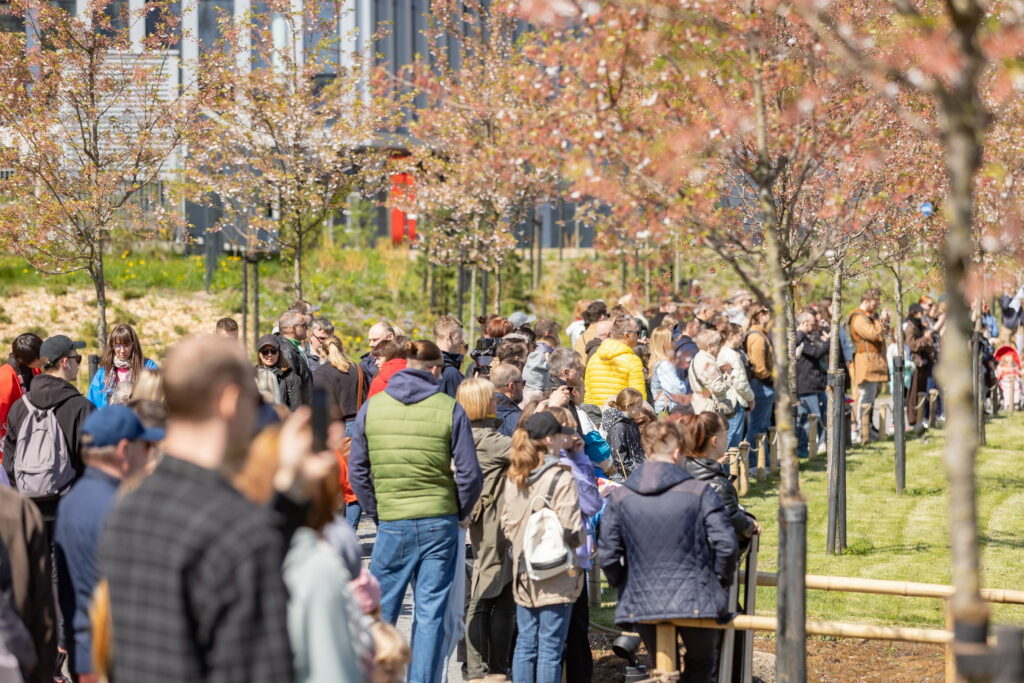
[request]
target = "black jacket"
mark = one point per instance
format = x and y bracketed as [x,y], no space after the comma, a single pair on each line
[624,439]
[291,386]
[810,364]
[668,547]
[297,362]
[710,471]
[451,376]
[72,408]
[343,390]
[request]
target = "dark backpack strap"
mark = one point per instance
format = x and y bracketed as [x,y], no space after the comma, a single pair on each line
[551,487]
[359,387]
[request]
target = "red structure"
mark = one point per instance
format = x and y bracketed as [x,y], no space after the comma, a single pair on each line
[403,225]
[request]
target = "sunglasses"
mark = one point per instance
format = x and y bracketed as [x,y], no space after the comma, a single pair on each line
[269,352]
[77,358]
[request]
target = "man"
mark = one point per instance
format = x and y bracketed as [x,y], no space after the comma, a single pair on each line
[293,331]
[24,536]
[196,588]
[595,313]
[811,367]
[759,348]
[869,367]
[614,366]
[227,328]
[739,310]
[16,375]
[117,445]
[508,394]
[377,333]
[320,332]
[602,330]
[404,444]
[451,339]
[51,393]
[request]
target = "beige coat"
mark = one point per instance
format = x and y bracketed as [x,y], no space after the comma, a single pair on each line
[869,364]
[565,502]
[710,383]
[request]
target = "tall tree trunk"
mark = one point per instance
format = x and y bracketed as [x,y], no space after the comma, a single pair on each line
[538,240]
[99,281]
[472,305]
[791,339]
[497,290]
[835,538]
[297,266]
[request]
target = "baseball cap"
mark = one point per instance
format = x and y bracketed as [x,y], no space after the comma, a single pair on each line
[268,340]
[110,424]
[542,425]
[518,319]
[55,348]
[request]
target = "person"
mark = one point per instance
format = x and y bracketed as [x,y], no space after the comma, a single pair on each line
[508,386]
[709,383]
[24,536]
[615,366]
[666,308]
[490,615]
[666,387]
[52,392]
[292,333]
[621,422]
[595,313]
[759,349]
[536,372]
[391,358]
[405,442]
[989,324]
[342,379]
[227,328]
[16,376]
[1010,307]
[741,302]
[17,651]
[732,356]
[321,330]
[377,333]
[576,327]
[519,319]
[122,361]
[923,345]
[668,546]
[543,606]
[494,328]
[869,366]
[602,329]
[117,445]
[451,339]
[811,367]
[172,618]
[706,457]
[278,382]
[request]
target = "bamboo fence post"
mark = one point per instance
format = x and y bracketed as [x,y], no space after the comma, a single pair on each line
[933,402]
[773,456]
[762,456]
[883,417]
[594,582]
[665,659]
[812,436]
[743,487]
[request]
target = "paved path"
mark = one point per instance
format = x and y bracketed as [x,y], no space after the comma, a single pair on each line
[367,534]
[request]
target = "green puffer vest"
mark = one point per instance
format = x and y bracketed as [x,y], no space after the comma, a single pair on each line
[410,456]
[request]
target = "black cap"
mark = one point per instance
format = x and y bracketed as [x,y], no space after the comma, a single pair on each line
[542,425]
[268,340]
[55,348]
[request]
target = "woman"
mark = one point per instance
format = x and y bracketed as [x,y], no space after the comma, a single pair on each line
[621,421]
[391,357]
[543,605]
[491,614]
[707,435]
[710,386]
[923,345]
[666,387]
[122,362]
[277,383]
[732,359]
[669,548]
[342,379]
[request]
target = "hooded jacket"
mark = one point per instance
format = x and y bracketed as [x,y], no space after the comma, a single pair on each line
[507,413]
[810,375]
[410,387]
[668,546]
[451,376]
[296,360]
[536,372]
[623,436]
[613,368]
[71,409]
[710,471]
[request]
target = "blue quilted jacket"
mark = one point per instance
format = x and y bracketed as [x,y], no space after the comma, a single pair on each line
[668,546]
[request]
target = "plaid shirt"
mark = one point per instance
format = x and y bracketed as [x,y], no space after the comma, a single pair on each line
[196,584]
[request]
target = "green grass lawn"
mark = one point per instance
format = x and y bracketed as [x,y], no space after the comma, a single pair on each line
[901,537]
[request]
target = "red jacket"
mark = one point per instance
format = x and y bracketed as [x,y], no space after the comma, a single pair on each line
[387,371]
[11,389]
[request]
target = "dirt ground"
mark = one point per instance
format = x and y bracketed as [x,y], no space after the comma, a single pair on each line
[828,661]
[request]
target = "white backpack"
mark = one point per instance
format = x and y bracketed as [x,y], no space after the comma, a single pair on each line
[544,549]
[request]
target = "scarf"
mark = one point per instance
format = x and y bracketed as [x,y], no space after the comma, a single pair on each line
[122,364]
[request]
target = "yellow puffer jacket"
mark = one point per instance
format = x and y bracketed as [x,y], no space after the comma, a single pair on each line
[613,367]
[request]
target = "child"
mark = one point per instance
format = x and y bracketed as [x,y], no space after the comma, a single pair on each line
[1008,374]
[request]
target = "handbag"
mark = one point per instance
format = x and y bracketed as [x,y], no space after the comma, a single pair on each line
[723,407]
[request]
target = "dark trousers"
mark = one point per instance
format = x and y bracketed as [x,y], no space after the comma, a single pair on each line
[700,662]
[918,388]
[490,630]
[579,661]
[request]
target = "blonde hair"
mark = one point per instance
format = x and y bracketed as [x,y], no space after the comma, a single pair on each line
[658,346]
[474,395]
[661,438]
[102,630]
[149,386]
[527,454]
[336,355]
[631,403]
[563,415]
[391,653]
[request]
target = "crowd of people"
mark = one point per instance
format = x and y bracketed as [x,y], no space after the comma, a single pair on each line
[177,523]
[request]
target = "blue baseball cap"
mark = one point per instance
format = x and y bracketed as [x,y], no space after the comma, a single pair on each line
[108,425]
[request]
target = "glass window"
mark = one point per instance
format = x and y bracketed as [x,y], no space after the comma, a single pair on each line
[154,18]
[9,22]
[209,15]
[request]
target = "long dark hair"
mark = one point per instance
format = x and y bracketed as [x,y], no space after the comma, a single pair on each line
[122,334]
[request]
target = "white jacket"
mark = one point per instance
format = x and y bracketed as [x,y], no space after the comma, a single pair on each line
[739,388]
[704,369]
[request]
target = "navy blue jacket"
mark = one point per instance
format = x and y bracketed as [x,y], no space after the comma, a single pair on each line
[508,413]
[80,517]
[451,376]
[668,546]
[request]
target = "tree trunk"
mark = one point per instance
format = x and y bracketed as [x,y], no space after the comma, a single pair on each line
[497,290]
[297,267]
[791,339]
[472,306]
[245,301]
[538,240]
[99,281]
[898,384]
[834,459]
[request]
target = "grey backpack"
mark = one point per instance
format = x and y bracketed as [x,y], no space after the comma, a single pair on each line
[42,463]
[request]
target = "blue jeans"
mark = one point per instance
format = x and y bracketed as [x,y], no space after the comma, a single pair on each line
[542,631]
[421,552]
[811,404]
[737,427]
[353,511]
[760,417]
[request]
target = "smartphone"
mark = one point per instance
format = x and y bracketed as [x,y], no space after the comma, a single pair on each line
[319,420]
